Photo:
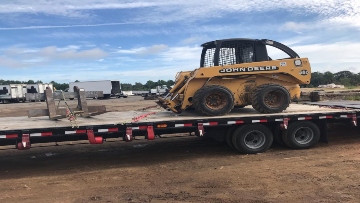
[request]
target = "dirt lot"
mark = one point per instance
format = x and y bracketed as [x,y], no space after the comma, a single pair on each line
[181,169]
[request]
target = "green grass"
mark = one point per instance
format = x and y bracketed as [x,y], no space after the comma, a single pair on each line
[354,98]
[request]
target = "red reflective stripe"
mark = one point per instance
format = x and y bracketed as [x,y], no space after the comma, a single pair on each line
[308,118]
[329,116]
[187,124]
[11,136]
[46,134]
[239,122]
[143,127]
[263,121]
[213,123]
[113,129]
[81,132]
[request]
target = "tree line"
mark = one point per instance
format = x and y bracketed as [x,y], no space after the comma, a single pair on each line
[345,78]
[138,86]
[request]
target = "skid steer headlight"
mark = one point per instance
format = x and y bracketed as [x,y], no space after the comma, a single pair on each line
[298,62]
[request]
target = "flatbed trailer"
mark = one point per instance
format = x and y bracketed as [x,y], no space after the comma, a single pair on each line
[247,131]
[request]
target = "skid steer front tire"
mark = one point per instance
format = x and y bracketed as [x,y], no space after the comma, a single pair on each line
[213,100]
[270,98]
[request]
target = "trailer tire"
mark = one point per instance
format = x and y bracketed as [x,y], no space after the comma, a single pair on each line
[229,135]
[252,138]
[279,139]
[270,98]
[301,135]
[213,100]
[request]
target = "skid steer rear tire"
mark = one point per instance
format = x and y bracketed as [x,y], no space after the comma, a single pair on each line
[213,100]
[270,98]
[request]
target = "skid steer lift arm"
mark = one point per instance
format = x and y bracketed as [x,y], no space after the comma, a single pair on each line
[239,72]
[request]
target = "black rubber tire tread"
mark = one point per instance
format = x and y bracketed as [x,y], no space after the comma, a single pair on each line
[258,102]
[288,136]
[239,134]
[279,139]
[228,136]
[199,100]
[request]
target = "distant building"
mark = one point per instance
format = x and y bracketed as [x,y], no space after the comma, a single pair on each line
[332,85]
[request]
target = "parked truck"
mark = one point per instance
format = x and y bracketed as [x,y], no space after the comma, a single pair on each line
[38,88]
[12,93]
[108,87]
[153,94]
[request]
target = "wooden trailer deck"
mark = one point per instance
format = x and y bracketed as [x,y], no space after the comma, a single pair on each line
[20,123]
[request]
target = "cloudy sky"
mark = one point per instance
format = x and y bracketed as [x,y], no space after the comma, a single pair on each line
[139,40]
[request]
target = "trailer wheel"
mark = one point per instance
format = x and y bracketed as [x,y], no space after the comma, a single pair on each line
[213,100]
[252,138]
[229,135]
[301,135]
[270,98]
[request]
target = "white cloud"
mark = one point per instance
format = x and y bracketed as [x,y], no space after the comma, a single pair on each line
[53,52]
[158,11]
[144,50]
[18,57]
[333,57]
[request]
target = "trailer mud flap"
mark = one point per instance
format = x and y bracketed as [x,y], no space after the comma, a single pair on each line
[354,120]
[92,138]
[25,142]
[201,129]
[285,124]
[150,133]
[128,135]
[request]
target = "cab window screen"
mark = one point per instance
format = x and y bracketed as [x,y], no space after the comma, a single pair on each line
[234,53]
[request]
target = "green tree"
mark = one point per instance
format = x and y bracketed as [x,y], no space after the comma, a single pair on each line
[328,77]
[126,86]
[138,86]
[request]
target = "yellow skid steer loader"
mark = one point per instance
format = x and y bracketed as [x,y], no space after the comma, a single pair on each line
[239,72]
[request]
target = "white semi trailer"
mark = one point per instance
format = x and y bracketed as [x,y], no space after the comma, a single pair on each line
[108,87]
[12,93]
[39,87]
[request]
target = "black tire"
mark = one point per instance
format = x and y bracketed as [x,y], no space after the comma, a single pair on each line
[228,136]
[252,138]
[279,139]
[270,98]
[213,100]
[301,135]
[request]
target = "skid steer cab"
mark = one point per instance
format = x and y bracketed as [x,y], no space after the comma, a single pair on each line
[237,72]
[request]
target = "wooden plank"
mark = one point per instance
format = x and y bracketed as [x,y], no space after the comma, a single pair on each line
[82,104]
[50,103]
[58,95]
[93,110]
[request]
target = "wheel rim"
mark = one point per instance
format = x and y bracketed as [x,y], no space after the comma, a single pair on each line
[304,135]
[274,99]
[254,139]
[216,100]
